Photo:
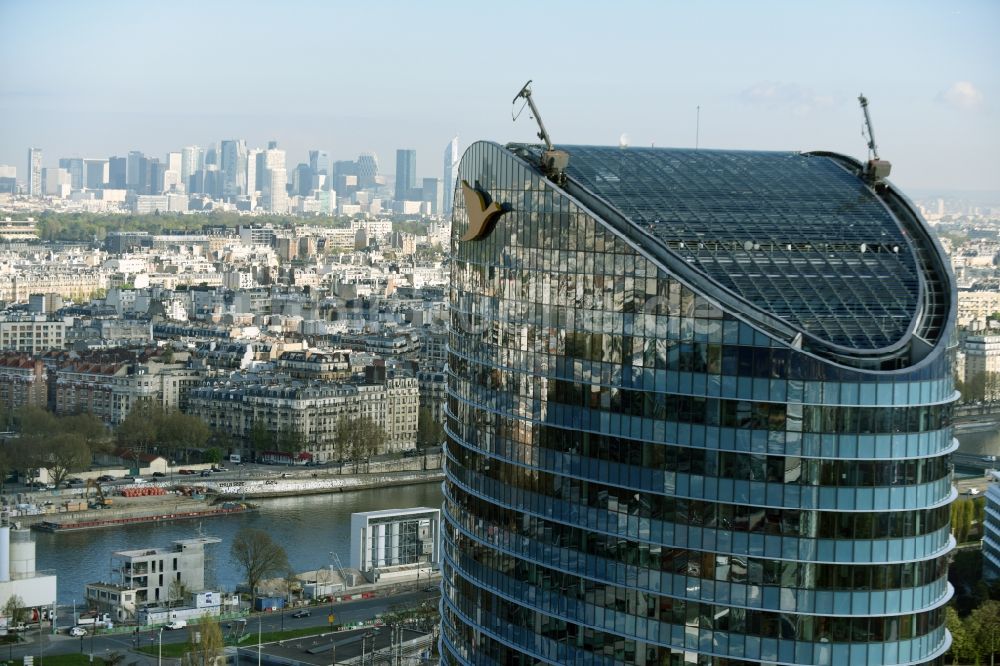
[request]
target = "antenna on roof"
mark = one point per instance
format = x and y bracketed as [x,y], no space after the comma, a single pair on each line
[697,125]
[553,161]
[876,170]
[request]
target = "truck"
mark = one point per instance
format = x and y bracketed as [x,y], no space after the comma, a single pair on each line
[235,458]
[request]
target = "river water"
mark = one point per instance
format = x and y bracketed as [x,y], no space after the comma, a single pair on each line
[309,528]
[982,441]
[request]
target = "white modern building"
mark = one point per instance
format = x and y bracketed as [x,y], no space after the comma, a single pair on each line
[384,542]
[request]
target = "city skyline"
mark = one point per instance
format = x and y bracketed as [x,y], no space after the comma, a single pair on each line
[925,69]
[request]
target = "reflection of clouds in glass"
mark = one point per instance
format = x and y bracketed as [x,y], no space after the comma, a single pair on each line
[962,95]
[799,99]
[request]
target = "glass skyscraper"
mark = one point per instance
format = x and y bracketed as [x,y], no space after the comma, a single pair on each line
[699,412]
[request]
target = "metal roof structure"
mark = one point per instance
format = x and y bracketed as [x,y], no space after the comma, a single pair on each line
[798,235]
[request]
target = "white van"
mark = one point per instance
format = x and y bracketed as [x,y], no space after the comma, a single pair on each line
[176,624]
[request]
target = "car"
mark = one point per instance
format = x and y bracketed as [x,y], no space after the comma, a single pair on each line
[77,631]
[973,491]
[74,481]
[176,624]
[104,478]
[206,472]
[159,475]
[301,613]
[186,471]
[219,469]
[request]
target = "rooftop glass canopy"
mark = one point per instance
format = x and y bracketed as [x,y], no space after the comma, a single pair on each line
[796,235]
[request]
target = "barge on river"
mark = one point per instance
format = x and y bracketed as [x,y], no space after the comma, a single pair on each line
[93,522]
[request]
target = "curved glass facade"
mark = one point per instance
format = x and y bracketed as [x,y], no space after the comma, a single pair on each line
[646,465]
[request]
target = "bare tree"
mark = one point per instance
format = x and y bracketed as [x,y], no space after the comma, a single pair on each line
[63,454]
[259,556]
[14,609]
[176,592]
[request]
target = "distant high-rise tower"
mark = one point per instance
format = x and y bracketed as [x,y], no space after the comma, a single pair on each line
[253,158]
[367,170]
[275,180]
[431,193]
[192,161]
[451,159]
[95,174]
[34,181]
[319,163]
[406,173]
[135,173]
[117,173]
[234,167]
[75,167]
[302,178]
[156,173]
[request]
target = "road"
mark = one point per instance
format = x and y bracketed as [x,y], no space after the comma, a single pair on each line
[345,612]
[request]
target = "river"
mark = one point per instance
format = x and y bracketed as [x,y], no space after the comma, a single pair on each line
[309,528]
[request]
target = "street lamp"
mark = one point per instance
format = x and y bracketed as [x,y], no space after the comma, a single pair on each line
[159,647]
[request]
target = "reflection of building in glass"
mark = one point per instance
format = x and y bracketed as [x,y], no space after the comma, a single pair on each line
[382,540]
[699,412]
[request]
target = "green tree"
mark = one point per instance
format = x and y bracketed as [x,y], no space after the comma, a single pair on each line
[89,427]
[261,439]
[207,651]
[35,421]
[961,646]
[961,519]
[429,431]
[212,455]
[984,627]
[140,428]
[291,441]
[361,437]
[258,555]
[181,433]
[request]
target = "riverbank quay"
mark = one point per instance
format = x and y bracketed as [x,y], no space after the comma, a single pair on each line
[293,486]
[215,494]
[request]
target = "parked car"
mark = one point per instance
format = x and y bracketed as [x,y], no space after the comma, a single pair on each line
[186,471]
[176,624]
[104,478]
[206,472]
[77,631]
[74,481]
[219,469]
[301,613]
[159,475]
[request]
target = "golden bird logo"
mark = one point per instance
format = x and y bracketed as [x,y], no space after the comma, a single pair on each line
[483,212]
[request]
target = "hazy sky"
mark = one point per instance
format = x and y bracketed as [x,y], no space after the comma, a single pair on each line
[93,79]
